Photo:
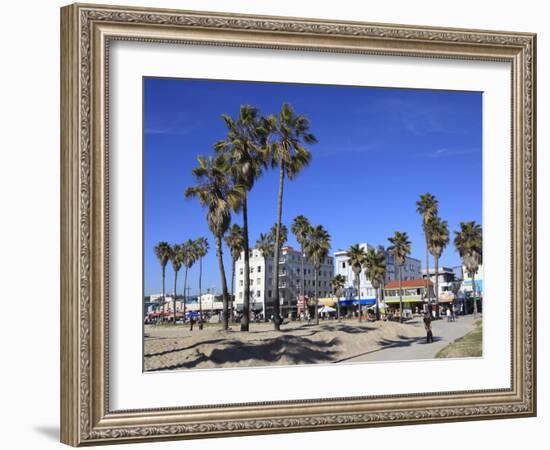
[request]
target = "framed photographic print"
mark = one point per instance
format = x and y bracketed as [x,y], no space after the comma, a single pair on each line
[276,224]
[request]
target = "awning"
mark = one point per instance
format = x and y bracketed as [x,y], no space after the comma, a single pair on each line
[327,301]
[363,301]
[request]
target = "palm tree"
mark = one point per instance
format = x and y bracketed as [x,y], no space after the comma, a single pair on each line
[265,245]
[219,195]
[188,258]
[338,284]
[235,241]
[288,153]
[243,147]
[400,247]
[357,258]
[317,247]
[162,251]
[469,244]
[201,249]
[375,271]
[428,207]
[438,238]
[176,258]
[301,229]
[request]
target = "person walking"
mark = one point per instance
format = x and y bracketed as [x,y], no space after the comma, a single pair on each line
[428,326]
[449,315]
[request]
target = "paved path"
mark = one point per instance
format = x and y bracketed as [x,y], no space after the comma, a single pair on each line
[416,347]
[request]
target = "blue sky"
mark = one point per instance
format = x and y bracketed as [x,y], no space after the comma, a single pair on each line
[378,150]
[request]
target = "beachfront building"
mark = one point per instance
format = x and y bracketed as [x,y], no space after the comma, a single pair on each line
[289,279]
[410,271]
[447,280]
[413,294]
[466,291]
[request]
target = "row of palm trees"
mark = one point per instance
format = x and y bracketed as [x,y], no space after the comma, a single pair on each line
[468,243]
[185,254]
[253,144]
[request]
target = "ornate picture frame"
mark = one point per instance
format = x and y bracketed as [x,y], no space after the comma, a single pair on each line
[86,34]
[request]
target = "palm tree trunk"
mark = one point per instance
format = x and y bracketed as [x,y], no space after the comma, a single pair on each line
[377,293]
[175,295]
[245,321]
[232,289]
[163,291]
[427,272]
[303,293]
[400,296]
[338,307]
[276,318]
[474,293]
[185,293]
[225,294]
[315,278]
[436,267]
[358,276]
[200,290]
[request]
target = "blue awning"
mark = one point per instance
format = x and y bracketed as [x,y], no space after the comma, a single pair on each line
[364,301]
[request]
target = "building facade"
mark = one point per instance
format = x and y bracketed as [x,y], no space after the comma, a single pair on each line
[411,270]
[289,278]
[446,281]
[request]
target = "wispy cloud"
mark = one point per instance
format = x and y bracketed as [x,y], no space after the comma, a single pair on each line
[447,152]
[417,118]
[177,126]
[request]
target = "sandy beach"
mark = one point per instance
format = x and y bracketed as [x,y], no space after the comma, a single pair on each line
[173,348]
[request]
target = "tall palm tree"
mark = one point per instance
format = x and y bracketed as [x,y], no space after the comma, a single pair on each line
[162,252]
[188,258]
[357,258]
[375,271]
[201,249]
[301,228]
[438,238]
[243,147]
[176,259]
[400,248]
[235,241]
[317,247]
[338,283]
[286,150]
[428,207]
[469,244]
[220,196]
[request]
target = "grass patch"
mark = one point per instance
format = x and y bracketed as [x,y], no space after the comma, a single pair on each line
[469,345]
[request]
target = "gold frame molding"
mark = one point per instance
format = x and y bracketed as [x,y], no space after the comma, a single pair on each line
[86,31]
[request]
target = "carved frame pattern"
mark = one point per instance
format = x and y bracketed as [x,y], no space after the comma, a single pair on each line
[85,416]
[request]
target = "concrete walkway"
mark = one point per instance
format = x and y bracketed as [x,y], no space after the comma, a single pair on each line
[407,348]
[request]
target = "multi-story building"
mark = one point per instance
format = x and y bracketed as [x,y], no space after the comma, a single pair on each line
[410,271]
[289,278]
[446,279]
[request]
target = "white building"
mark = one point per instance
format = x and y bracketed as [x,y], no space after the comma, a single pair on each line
[446,279]
[289,279]
[410,271]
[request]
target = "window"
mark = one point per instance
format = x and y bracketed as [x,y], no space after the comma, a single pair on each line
[241,282]
[252,270]
[258,281]
[269,293]
[258,293]
[259,269]
[240,295]
[240,271]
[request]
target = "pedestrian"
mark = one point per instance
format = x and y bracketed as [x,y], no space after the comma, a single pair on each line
[191,323]
[449,315]
[428,326]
